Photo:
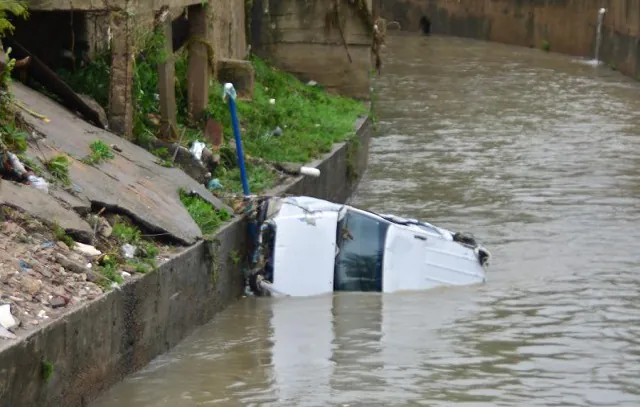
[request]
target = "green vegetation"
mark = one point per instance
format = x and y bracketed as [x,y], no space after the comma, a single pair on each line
[545,46]
[109,269]
[46,370]
[11,137]
[311,120]
[206,216]
[99,152]
[58,166]
[62,236]
[17,8]
[146,249]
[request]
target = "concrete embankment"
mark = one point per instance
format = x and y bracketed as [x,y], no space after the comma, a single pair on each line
[565,26]
[73,359]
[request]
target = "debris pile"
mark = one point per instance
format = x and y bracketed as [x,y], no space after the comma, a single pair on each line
[43,272]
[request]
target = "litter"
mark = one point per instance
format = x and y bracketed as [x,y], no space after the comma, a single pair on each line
[196,149]
[128,251]
[7,320]
[86,249]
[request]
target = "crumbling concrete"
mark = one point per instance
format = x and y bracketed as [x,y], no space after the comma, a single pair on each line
[131,183]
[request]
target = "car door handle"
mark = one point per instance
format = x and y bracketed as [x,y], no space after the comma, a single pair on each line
[420,237]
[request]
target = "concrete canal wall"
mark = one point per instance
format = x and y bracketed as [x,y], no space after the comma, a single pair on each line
[567,26]
[97,345]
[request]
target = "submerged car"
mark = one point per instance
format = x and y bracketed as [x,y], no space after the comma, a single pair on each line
[309,246]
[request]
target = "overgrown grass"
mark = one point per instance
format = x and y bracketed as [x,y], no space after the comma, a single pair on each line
[146,249]
[12,138]
[311,120]
[206,216]
[62,236]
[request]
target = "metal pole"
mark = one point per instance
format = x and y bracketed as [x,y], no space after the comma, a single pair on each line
[231,93]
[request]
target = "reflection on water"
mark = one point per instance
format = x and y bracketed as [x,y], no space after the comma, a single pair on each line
[536,154]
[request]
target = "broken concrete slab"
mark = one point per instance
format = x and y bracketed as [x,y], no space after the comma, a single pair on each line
[42,206]
[130,183]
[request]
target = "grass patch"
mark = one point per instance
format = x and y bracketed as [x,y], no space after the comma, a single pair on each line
[46,370]
[311,119]
[58,166]
[100,152]
[62,236]
[109,269]
[206,216]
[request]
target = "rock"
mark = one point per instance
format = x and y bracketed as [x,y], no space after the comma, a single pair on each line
[86,250]
[70,265]
[6,319]
[30,285]
[62,247]
[94,277]
[58,302]
[102,116]
[104,228]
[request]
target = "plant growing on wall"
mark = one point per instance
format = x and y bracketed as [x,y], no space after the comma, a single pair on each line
[15,7]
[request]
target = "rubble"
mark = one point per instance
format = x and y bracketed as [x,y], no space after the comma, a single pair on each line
[41,278]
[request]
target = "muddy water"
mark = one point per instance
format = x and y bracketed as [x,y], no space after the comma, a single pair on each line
[539,156]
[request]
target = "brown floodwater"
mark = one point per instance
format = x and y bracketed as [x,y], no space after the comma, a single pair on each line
[536,154]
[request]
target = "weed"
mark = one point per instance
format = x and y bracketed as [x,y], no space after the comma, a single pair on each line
[203,213]
[58,166]
[545,46]
[62,236]
[126,233]
[46,370]
[13,139]
[235,257]
[109,269]
[100,152]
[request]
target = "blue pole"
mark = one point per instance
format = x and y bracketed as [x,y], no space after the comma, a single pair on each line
[231,92]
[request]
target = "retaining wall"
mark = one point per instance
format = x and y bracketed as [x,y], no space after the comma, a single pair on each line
[569,26]
[98,344]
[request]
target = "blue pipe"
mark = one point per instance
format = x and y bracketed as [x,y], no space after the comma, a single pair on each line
[236,135]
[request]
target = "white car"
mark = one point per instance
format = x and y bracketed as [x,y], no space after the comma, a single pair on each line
[309,246]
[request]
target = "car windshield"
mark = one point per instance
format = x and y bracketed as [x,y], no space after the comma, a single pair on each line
[361,241]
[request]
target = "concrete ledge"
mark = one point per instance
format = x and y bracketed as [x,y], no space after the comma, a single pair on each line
[96,345]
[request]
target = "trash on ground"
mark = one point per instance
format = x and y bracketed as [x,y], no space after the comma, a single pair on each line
[86,249]
[312,83]
[39,183]
[214,184]
[196,149]
[128,251]
[6,334]
[24,266]
[310,171]
[277,132]
[125,274]
[7,320]
[342,248]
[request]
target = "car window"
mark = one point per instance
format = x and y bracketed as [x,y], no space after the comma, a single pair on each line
[361,245]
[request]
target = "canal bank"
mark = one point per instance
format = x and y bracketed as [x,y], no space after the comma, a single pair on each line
[73,359]
[564,26]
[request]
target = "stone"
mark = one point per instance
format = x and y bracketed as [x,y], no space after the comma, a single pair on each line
[70,265]
[30,285]
[58,302]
